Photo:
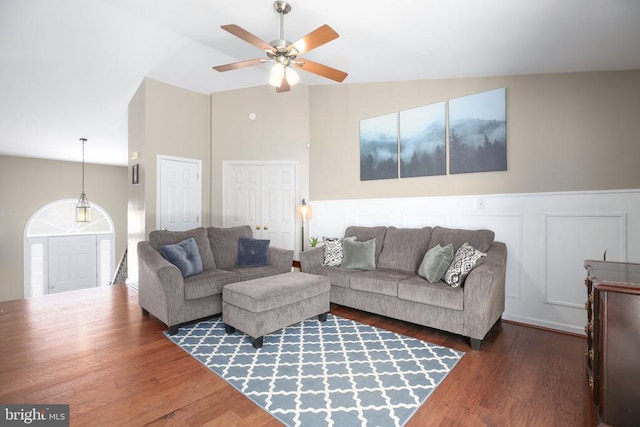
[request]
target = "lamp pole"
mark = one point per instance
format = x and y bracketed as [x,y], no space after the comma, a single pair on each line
[303,215]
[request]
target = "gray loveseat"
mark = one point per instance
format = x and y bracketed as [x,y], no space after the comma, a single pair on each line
[167,295]
[394,289]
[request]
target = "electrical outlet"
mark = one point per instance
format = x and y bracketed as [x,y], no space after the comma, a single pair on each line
[481,204]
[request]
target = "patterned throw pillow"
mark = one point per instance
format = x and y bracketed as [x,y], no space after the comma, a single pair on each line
[334,251]
[465,259]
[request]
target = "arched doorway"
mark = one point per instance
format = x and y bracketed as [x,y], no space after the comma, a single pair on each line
[61,254]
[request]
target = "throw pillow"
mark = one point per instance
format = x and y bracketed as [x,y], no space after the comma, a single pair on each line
[360,255]
[465,259]
[252,252]
[184,255]
[334,251]
[436,262]
[163,237]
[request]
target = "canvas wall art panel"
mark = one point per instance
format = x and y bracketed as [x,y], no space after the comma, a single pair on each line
[379,147]
[477,133]
[422,141]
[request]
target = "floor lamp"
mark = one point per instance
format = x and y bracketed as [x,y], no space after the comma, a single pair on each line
[304,213]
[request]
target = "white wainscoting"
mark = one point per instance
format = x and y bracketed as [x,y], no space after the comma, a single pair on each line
[548,237]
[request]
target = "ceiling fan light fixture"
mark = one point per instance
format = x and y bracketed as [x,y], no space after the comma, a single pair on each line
[276,75]
[292,76]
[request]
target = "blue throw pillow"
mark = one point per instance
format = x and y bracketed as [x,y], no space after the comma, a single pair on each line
[252,252]
[184,255]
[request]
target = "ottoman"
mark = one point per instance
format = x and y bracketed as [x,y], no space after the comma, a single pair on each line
[261,306]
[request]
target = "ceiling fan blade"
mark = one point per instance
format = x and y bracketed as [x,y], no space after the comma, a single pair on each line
[284,86]
[321,70]
[248,37]
[241,64]
[316,38]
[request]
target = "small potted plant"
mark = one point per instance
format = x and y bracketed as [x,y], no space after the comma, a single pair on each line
[313,241]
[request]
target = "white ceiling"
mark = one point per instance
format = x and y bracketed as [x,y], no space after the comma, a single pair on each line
[68,68]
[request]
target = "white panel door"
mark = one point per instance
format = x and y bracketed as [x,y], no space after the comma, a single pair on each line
[242,203]
[262,196]
[72,263]
[179,193]
[279,205]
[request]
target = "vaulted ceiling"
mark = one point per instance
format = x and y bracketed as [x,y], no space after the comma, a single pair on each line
[68,68]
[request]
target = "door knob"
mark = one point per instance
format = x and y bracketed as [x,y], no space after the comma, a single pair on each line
[266,227]
[257,227]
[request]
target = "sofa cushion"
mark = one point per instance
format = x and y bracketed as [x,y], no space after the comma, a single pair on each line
[252,252]
[209,282]
[224,243]
[436,262]
[360,255]
[404,248]
[184,255]
[248,273]
[480,239]
[383,282]
[362,234]
[163,237]
[438,294]
[465,259]
[339,276]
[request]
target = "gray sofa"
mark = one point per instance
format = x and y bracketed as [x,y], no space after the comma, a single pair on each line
[167,295]
[394,289]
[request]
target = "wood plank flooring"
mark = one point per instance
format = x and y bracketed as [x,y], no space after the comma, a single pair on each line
[94,350]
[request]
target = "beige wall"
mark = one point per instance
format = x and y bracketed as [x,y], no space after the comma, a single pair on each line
[28,184]
[574,131]
[279,132]
[136,193]
[171,121]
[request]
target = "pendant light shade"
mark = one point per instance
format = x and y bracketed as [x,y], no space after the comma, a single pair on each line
[83,208]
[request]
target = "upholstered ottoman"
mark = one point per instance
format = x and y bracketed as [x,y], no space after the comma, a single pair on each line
[261,306]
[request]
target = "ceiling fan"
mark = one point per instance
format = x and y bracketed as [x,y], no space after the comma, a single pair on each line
[285,55]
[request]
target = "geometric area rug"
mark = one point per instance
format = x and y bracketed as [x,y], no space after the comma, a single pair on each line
[333,373]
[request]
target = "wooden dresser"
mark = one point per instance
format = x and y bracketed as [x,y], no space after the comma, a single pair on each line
[613,341]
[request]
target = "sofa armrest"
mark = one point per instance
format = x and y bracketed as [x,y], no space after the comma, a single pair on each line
[484,292]
[311,259]
[281,258]
[160,283]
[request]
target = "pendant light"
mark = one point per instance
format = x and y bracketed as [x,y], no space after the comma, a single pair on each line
[83,208]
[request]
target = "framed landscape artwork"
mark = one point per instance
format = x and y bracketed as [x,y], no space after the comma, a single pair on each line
[422,141]
[379,147]
[477,133]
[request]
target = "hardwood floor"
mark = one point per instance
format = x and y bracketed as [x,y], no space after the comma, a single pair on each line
[94,350]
